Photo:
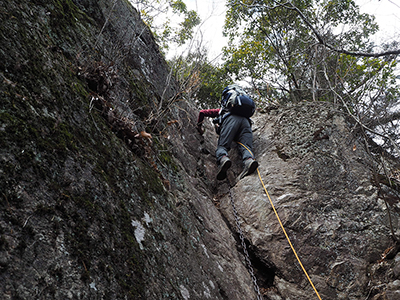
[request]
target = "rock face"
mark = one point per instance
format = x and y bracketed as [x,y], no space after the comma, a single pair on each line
[320,179]
[100,197]
[108,192]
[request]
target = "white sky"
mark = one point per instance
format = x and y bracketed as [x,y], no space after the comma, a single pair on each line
[387,15]
[212,14]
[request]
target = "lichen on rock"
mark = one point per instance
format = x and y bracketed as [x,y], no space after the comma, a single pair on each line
[108,192]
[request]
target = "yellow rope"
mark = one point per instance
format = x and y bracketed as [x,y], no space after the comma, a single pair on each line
[283,228]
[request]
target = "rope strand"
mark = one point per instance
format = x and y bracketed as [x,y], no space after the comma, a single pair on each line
[287,237]
[283,229]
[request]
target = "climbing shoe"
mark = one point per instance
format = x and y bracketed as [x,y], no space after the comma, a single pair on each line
[224,165]
[250,165]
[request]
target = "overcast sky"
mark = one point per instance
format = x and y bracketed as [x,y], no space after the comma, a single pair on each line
[387,14]
[212,13]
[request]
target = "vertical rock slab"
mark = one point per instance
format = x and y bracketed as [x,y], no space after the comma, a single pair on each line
[320,179]
[101,195]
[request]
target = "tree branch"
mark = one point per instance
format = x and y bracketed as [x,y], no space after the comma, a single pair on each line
[329,46]
[385,120]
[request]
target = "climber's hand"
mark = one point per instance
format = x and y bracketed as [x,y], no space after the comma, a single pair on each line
[200,129]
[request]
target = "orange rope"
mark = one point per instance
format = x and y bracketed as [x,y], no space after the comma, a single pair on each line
[283,229]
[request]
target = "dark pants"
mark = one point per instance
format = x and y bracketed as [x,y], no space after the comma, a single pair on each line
[235,128]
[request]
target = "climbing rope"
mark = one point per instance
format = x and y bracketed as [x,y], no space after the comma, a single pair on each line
[246,254]
[283,228]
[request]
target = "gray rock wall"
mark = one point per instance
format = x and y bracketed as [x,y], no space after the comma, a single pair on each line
[100,197]
[108,192]
[321,182]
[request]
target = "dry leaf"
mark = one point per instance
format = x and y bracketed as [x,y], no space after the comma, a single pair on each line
[172,122]
[145,134]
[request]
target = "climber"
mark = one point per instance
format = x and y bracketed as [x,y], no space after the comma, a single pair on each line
[232,123]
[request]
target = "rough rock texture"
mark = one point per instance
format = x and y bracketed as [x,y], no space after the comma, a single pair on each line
[321,182]
[108,192]
[99,187]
